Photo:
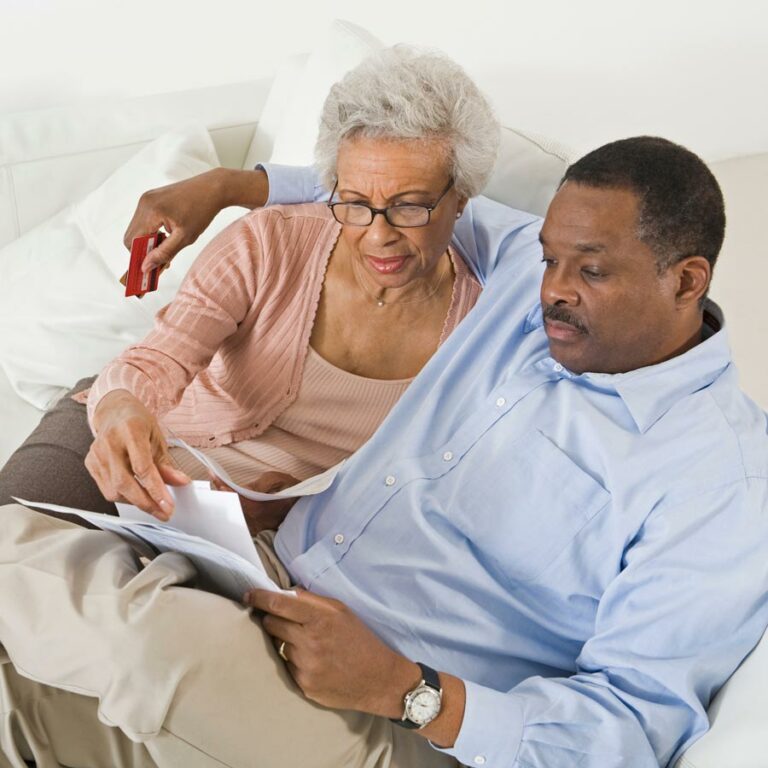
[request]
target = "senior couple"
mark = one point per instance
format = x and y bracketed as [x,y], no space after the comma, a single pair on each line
[549,553]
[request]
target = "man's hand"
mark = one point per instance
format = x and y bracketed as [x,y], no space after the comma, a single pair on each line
[333,657]
[186,208]
[263,515]
[129,458]
[338,662]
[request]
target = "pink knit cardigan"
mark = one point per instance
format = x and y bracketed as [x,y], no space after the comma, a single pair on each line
[226,356]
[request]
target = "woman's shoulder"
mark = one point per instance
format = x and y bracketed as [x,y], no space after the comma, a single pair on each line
[293,216]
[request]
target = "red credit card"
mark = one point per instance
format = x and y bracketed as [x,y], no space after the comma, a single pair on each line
[136,282]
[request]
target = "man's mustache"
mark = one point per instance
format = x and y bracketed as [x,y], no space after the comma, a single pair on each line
[560,315]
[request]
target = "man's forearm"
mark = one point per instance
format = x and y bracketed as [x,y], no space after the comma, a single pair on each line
[248,189]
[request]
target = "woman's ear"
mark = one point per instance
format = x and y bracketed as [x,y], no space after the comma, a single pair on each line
[460,206]
[694,274]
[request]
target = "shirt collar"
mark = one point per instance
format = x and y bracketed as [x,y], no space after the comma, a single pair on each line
[650,392]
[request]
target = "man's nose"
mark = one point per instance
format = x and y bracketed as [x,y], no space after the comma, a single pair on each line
[558,286]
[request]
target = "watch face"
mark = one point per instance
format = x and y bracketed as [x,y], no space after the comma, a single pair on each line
[423,705]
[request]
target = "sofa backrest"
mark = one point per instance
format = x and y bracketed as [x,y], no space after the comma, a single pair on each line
[50,158]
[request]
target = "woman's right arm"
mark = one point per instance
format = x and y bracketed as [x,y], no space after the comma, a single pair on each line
[129,459]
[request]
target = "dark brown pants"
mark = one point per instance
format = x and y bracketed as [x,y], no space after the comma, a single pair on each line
[49,466]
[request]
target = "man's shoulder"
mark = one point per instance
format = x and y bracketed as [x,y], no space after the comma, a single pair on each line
[744,420]
[714,437]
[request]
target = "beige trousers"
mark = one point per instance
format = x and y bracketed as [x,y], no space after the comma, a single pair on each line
[108,665]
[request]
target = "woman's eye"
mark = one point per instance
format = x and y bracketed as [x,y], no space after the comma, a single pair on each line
[594,273]
[547,261]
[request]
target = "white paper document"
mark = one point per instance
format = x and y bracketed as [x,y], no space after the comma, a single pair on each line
[207,527]
[309,487]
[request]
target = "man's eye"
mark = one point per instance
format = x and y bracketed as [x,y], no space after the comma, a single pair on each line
[548,262]
[593,273]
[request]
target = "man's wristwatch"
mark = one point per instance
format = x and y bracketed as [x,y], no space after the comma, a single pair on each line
[422,704]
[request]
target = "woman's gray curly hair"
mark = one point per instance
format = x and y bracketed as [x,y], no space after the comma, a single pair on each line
[404,93]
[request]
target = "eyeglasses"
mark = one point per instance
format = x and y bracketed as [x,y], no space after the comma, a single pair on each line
[398,215]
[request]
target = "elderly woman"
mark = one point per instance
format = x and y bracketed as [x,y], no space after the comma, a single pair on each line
[298,328]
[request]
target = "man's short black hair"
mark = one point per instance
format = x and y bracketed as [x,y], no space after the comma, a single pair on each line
[681,210]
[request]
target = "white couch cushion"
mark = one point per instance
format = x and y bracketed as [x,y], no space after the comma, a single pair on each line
[737,715]
[64,314]
[17,417]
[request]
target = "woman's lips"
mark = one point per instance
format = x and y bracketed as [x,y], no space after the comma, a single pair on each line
[561,331]
[387,266]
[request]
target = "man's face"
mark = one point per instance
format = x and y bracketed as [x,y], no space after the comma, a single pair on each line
[606,308]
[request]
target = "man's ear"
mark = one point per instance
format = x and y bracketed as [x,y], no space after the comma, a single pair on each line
[693,277]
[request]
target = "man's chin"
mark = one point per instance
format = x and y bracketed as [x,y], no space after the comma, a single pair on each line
[568,355]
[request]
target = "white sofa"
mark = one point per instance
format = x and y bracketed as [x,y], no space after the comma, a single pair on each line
[51,159]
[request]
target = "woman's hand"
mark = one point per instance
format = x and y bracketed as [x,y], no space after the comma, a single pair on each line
[129,458]
[263,515]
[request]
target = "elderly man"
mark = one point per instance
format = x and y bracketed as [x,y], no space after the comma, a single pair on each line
[552,552]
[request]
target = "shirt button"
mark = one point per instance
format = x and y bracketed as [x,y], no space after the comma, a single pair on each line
[501,402]
[479,760]
[339,538]
[389,480]
[447,456]
[558,367]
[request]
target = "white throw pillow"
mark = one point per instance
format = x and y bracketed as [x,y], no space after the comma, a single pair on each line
[300,90]
[63,313]
[527,171]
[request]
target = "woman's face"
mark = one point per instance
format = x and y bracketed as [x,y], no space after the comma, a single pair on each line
[385,172]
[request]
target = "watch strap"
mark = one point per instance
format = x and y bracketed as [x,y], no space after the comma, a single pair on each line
[430,677]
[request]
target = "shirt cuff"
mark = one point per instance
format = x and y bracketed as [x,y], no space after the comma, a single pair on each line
[292,184]
[492,728]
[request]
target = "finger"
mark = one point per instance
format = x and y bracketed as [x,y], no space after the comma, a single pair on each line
[147,474]
[119,484]
[282,630]
[271,482]
[171,474]
[217,484]
[164,253]
[142,223]
[138,496]
[279,604]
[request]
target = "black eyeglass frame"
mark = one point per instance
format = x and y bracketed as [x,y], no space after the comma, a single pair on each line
[385,211]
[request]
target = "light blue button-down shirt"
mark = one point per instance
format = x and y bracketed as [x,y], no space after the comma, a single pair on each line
[589,553]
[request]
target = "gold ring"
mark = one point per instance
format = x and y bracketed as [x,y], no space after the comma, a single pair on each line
[281,651]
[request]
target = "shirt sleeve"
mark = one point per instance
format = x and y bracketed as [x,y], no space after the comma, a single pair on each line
[214,297]
[686,609]
[293,184]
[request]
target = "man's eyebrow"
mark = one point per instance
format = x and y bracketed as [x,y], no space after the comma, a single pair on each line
[580,247]
[589,247]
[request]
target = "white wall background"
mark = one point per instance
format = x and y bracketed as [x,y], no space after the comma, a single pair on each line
[580,71]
